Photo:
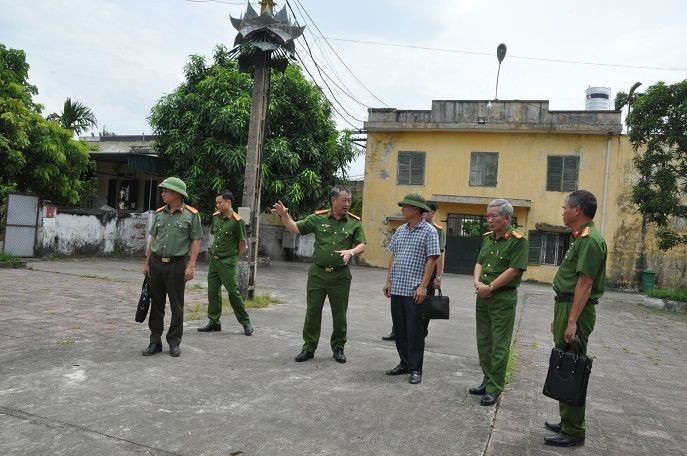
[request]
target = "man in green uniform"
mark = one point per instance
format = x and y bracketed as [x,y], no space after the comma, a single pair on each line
[338,238]
[579,283]
[170,262]
[497,274]
[229,243]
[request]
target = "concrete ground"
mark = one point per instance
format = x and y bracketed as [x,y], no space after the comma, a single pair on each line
[73,382]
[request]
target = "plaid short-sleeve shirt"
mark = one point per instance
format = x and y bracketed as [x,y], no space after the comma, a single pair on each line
[411,248]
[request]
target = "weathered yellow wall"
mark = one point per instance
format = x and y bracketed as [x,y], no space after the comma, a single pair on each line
[521,175]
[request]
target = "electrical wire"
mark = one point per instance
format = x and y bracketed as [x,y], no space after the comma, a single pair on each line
[298,3]
[490,54]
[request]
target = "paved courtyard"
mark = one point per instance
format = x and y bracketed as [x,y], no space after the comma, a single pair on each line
[73,382]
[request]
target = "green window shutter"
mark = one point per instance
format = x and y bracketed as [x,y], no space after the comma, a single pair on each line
[554,173]
[491,166]
[403,174]
[571,171]
[417,168]
[475,170]
[534,238]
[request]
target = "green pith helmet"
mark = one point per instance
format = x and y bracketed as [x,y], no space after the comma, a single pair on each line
[415,199]
[176,184]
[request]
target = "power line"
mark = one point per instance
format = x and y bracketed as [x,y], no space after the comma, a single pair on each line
[314,82]
[219,1]
[491,54]
[334,50]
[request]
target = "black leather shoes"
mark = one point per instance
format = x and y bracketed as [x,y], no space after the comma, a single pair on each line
[152,349]
[398,370]
[209,327]
[174,351]
[564,440]
[339,355]
[478,390]
[489,399]
[553,427]
[415,378]
[304,356]
[391,336]
[248,330]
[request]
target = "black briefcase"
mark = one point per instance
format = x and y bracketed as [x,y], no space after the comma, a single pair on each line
[568,375]
[143,302]
[436,307]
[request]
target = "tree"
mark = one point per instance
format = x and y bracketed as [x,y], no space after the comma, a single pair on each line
[657,126]
[35,155]
[203,130]
[75,116]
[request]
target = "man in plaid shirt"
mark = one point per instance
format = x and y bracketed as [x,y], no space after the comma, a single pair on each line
[414,250]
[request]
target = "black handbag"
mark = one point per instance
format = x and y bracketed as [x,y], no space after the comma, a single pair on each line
[143,302]
[568,374]
[436,307]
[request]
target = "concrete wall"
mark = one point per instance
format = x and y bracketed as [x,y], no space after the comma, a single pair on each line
[93,233]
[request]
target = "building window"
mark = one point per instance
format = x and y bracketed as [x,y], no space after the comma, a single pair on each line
[484,167]
[562,173]
[547,247]
[411,168]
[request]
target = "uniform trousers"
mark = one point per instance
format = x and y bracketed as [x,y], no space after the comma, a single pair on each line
[166,279]
[322,284]
[495,317]
[572,418]
[409,329]
[223,272]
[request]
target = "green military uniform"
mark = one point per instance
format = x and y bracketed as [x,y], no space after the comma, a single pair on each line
[328,275]
[495,316]
[173,233]
[227,232]
[586,255]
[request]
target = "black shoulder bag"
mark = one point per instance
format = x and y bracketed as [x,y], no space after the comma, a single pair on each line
[436,307]
[143,302]
[568,375]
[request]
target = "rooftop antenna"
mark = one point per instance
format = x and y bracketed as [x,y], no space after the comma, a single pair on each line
[500,54]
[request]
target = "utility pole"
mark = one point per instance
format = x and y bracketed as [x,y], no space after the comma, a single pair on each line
[261,36]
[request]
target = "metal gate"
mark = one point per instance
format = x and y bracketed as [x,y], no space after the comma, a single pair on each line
[22,224]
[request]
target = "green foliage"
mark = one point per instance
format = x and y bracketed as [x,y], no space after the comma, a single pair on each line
[657,127]
[203,131]
[672,295]
[37,156]
[75,116]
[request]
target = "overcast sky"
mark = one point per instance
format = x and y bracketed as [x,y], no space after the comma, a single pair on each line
[120,56]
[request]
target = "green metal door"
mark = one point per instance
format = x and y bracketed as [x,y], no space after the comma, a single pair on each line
[463,241]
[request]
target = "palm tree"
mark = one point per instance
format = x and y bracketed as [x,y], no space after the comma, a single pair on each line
[75,116]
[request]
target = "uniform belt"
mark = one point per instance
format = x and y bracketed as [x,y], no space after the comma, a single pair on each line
[570,298]
[168,259]
[495,290]
[219,257]
[330,268]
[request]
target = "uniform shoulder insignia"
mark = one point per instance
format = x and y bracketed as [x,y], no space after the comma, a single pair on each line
[354,216]
[236,216]
[216,213]
[586,231]
[191,209]
[487,233]
[437,226]
[160,209]
[517,234]
[321,212]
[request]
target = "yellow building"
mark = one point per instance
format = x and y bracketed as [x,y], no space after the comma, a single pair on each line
[463,154]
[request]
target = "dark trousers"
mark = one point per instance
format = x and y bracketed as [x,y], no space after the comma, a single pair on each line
[410,336]
[166,279]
